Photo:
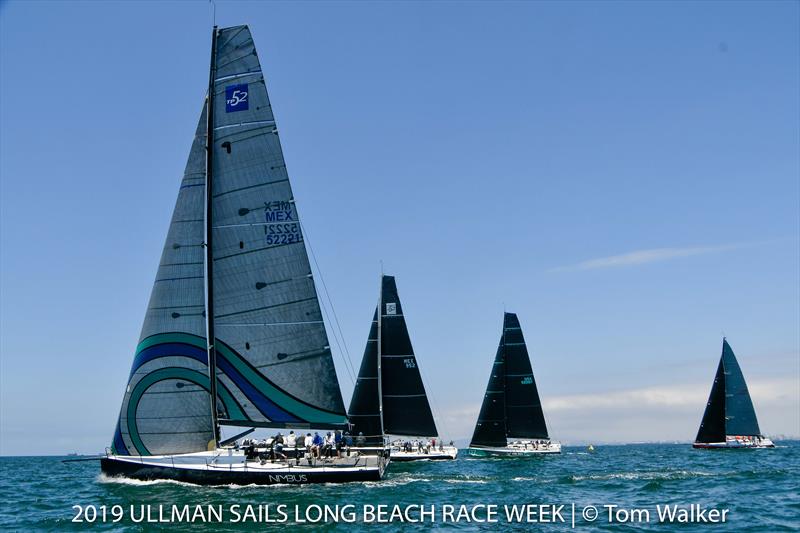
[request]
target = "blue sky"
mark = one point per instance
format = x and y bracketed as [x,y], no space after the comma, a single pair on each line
[624,176]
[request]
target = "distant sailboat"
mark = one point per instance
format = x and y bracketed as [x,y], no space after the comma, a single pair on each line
[233,334]
[730,420]
[389,397]
[511,407]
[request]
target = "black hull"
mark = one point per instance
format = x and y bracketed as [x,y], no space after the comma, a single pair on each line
[114,468]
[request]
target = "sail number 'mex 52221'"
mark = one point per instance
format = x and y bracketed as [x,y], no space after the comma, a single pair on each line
[281,226]
[236,98]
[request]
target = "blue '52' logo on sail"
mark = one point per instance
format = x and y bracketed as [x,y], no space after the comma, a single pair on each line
[236,98]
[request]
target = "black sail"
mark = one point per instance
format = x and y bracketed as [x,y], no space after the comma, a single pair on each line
[524,415]
[406,410]
[740,416]
[490,430]
[712,427]
[365,405]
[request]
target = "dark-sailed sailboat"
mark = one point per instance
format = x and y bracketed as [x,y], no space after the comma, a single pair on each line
[729,420]
[511,407]
[389,396]
[233,334]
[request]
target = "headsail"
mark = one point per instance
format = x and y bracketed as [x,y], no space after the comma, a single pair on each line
[166,404]
[400,395]
[511,405]
[729,410]
[274,366]
[490,430]
[365,405]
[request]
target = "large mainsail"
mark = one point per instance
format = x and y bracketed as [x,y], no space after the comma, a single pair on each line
[273,363]
[729,410]
[274,354]
[397,403]
[406,410]
[524,415]
[511,405]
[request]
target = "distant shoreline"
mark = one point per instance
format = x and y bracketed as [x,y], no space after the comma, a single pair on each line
[777,440]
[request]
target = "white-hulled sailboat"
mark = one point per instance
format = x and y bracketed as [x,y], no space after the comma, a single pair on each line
[729,421]
[511,422]
[389,398]
[233,334]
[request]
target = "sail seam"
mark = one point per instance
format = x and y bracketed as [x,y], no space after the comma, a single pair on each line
[249,123]
[250,187]
[178,279]
[239,75]
[263,308]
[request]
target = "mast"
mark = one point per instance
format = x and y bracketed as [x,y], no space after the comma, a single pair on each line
[505,376]
[379,352]
[209,258]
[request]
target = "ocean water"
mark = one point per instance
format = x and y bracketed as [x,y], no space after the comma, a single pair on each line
[759,488]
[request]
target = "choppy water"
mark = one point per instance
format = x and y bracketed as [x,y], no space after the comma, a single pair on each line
[761,489]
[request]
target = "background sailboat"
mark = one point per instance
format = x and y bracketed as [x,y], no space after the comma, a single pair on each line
[389,397]
[729,420]
[233,334]
[511,406]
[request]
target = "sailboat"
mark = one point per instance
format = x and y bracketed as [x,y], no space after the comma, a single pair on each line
[730,420]
[233,335]
[511,407]
[389,397]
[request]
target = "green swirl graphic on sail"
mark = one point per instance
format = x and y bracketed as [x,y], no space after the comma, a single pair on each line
[273,406]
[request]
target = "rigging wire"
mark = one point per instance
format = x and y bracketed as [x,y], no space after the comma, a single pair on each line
[345,354]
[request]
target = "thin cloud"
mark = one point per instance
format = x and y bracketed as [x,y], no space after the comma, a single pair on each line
[770,392]
[640,257]
[657,413]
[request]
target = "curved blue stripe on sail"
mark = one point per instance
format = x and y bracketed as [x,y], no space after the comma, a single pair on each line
[119,444]
[167,350]
[266,407]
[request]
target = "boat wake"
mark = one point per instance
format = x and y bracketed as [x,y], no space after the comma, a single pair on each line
[114,480]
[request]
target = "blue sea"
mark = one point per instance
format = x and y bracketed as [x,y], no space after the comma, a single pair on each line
[760,489]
